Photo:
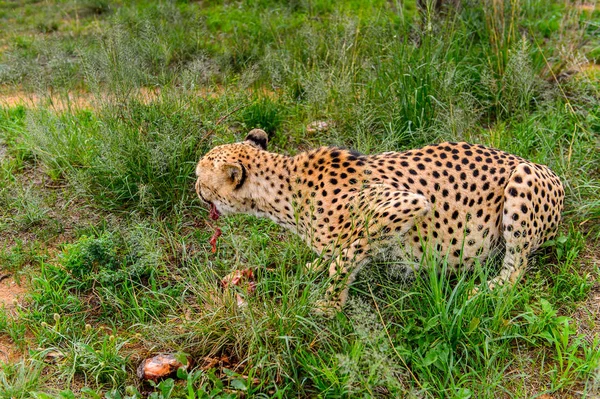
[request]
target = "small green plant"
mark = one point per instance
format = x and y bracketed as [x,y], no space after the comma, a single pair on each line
[107,260]
[568,285]
[101,360]
[265,114]
[18,380]
[198,384]
[91,257]
[16,257]
[570,353]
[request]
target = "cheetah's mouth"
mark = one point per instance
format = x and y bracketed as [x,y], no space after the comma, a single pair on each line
[213,212]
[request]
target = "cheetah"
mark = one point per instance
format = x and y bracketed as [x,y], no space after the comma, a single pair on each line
[459,200]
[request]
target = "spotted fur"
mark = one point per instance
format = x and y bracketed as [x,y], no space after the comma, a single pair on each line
[457,200]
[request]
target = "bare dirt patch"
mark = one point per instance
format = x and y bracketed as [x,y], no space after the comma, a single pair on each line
[10,295]
[10,291]
[8,351]
[59,103]
[73,100]
[84,100]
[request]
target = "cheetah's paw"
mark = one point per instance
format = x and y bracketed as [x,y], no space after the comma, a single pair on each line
[315,266]
[326,308]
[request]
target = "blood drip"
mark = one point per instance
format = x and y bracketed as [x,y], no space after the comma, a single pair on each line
[214,215]
[213,240]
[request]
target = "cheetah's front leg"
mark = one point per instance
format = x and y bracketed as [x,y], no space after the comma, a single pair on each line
[342,272]
[315,266]
[388,214]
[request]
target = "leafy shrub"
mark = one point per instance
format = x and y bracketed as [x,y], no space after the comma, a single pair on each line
[100,260]
[90,256]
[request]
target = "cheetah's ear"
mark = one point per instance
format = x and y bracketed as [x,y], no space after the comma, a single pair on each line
[236,174]
[258,137]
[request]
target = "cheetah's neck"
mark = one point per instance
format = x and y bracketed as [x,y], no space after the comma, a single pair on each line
[271,180]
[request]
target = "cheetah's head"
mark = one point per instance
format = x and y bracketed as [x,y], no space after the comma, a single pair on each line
[222,177]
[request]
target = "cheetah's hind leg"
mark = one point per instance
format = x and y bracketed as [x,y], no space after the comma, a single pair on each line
[520,221]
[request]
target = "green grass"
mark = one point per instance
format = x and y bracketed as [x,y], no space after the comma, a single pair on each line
[101,222]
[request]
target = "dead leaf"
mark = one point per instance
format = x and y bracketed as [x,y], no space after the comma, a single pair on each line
[53,357]
[237,277]
[212,362]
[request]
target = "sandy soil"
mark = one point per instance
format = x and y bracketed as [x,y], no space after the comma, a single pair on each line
[10,295]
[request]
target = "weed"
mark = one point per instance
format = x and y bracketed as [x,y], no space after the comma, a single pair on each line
[566,284]
[99,360]
[264,114]
[90,259]
[18,256]
[19,379]
[558,332]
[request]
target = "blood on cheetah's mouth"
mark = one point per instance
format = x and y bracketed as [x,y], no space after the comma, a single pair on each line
[213,212]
